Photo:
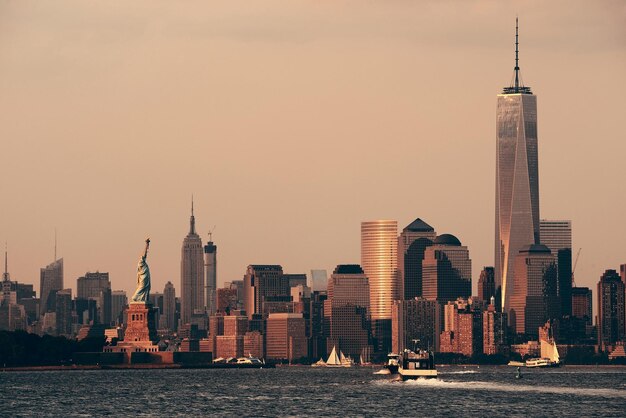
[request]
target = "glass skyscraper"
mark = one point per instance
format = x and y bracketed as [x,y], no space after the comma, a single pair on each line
[517,179]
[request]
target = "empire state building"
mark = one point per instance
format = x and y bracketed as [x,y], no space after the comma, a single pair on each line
[517,178]
[191,273]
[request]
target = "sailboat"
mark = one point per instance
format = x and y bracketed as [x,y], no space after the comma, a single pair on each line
[338,360]
[549,356]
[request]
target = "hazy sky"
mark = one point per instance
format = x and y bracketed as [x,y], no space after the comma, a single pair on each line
[291,122]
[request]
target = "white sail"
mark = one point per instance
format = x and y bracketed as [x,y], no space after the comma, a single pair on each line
[555,355]
[333,359]
[546,349]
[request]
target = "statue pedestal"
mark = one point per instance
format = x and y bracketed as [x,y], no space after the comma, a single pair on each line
[140,323]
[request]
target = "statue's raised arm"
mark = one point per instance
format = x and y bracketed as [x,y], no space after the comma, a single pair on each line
[142,294]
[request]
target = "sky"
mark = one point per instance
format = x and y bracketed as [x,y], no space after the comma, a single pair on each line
[292,122]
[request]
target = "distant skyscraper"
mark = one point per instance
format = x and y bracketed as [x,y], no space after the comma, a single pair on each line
[487,285]
[557,236]
[64,312]
[319,280]
[286,336]
[210,273]
[191,273]
[118,301]
[582,304]
[517,179]
[96,286]
[169,307]
[261,284]
[611,319]
[379,259]
[533,299]
[495,326]
[412,243]
[347,311]
[447,270]
[51,281]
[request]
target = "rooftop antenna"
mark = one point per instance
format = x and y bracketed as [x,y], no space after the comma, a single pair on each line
[211,233]
[516,56]
[55,244]
[5,276]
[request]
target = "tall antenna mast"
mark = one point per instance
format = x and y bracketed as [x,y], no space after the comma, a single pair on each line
[6,276]
[516,56]
[55,244]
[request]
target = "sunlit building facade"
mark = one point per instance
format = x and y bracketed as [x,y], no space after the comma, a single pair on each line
[557,236]
[51,281]
[191,273]
[517,180]
[379,260]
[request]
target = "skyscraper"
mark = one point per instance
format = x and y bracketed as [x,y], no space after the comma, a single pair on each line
[611,320]
[169,307]
[191,273]
[64,312]
[517,178]
[416,319]
[487,285]
[210,273]
[412,243]
[379,260]
[582,307]
[347,311]
[261,284]
[51,281]
[319,280]
[447,270]
[118,301]
[557,236]
[96,286]
[533,299]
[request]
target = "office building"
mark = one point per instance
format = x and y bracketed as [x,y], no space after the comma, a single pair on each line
[412,243]
[347,311]
[119,300]
[169,307]
[517,179]
[51,281]
[319,280]
[191,273]
[296,279]
[447,270]
[487,285]
[415,319]
[611,320]
[96,286]
[534,298]
[210,273]
[463,331]
[379,260]
[63,306]
[557,236]
[264,283]
[495,330]
[582,304]
[285,337]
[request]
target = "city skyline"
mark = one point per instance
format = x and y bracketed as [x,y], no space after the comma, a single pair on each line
[100,222]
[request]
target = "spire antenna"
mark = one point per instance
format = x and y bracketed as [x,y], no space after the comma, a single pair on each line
[192,220]
[516,55]
[5,276]
[55,244]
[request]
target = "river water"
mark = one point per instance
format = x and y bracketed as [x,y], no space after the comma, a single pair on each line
[302,391]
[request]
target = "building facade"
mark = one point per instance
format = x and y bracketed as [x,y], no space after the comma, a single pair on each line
[191,273]
[285,337]
[262,284]
[415,319]
[447,270]
[210,273]
[51,281]
[557,236]
[379,260]
[582,304]
[412,243]
[517,179]
[611,319]
[487,284]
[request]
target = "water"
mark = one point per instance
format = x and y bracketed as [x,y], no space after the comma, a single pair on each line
[303,391]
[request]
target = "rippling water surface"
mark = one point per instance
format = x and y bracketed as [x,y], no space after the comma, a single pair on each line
[303,391]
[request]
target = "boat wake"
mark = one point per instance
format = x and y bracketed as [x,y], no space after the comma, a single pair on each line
[504,387]
[382,371]
[460,372]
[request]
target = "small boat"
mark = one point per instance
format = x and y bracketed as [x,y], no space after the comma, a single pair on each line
[517,363]
[549,356]
[392,362]
[320,363]
[417,364]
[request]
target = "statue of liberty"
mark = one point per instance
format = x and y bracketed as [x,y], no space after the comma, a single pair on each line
[142,294]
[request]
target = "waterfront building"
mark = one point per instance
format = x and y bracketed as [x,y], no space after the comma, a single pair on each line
[534,298]
[487,284]
[210,273]
[582,304]
[517,179]
[495,330]
[63,306]
[463,332]
[191,273]
[319,280]
[264,283]
[285,337]
[379,260]
[229,346]
[412,243]
[169,307]
[557,236]
[611,320]
[347,311]
[415,319]
[51,281]
[447,270]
